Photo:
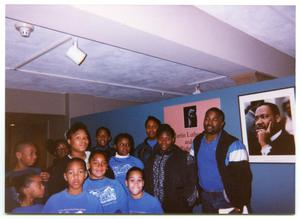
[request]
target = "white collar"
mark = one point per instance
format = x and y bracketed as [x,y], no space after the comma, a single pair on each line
[275,136]
[120,156]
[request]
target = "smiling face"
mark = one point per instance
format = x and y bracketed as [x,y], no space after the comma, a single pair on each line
[213,123]
[103,138]
[61,150]
[98,166]
[75,175]
[165,141]
[151,129]
[79,141]
[135,184]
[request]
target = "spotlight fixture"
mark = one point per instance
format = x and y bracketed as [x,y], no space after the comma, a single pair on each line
[24,29]
[75,54]
[197,89]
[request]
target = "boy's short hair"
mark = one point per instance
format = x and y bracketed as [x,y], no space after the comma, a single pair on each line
[105,129]
[124,135]
[73,160]
[153,119]
[21,145]
[130,139]
[217,111]
[134,169]
[166,128]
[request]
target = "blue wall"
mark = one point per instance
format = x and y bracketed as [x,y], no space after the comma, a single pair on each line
[273,184]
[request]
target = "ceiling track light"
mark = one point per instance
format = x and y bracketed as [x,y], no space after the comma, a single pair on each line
[197,89]
[75,54]
[24,29]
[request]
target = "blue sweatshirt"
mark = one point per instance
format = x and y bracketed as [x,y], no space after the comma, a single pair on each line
[110,194]
[65,203]
[147,204]
[120,166]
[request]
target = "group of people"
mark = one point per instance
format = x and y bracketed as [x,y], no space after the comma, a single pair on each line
[156,177]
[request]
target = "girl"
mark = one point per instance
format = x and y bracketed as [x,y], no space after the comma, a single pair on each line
[30,188]
[73,200]
[78,138]
[109,192]
[123,161]
[139,201]
[170,174]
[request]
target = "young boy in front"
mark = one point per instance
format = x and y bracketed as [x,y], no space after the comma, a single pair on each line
[73,200]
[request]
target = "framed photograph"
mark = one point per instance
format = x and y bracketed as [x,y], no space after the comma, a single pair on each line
[268,125]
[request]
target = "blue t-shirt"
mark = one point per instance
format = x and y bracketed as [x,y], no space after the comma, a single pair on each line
[120,166]
[32,209]
[110,194]
[147,204]
[208,172]
[65,203]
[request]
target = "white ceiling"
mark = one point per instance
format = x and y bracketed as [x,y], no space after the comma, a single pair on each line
[147,53]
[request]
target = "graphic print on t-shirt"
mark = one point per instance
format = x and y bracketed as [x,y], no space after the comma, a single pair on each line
[106,195]
[121,170]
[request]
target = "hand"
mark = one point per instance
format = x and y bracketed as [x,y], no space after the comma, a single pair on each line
[236,211]
[263,135]
[44,176]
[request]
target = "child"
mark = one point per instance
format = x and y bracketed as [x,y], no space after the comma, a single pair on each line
[103,137]
[78,138]
[30,187]
[26,155]
[123,161]
[139,201]
[109,192]
[145,149]
[59,149]
[73,200]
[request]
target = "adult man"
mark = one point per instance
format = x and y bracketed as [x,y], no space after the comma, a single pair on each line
[271,137]
[223,169]
[145,149]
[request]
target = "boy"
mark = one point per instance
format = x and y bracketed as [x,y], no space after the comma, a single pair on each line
[73,200]
[123,161]
[26,155]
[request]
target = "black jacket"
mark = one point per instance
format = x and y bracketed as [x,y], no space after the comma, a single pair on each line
[143,151]
[236,176]
[180,179]
[283,145]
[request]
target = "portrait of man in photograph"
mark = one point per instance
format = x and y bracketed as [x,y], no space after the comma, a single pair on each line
[190,116]
[270,135]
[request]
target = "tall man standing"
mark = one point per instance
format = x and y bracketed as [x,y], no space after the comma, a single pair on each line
[224,174]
